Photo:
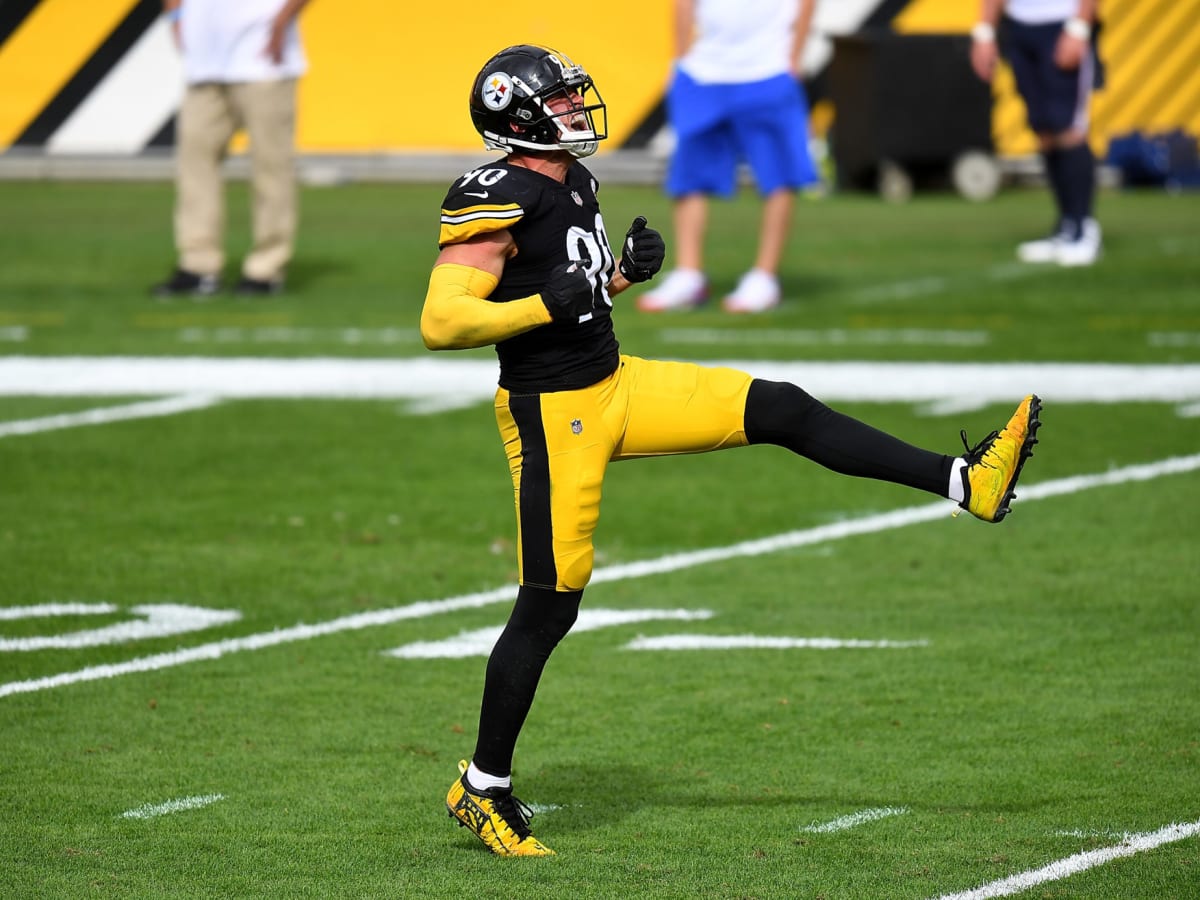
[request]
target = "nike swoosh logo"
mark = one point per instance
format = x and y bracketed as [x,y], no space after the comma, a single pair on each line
[482,196]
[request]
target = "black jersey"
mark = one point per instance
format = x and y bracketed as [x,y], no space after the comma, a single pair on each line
[552,223]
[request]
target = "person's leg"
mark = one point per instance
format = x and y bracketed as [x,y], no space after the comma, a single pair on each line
[787,416]
[482,799]
[540,619]
[690,219]
[205,125]
[1057,103]
[558,447]
[679,407]
[269,109]
[770,127]
[773,232]
[1029,51]
[557,475]
[1065,129]
[687,408]
[684,286]
[982,480]
[1078,176]
[702,164]
[1051,162]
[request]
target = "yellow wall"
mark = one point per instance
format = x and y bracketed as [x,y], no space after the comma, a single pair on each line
[56,37]
[386,75]
[394,75]
[1151,49]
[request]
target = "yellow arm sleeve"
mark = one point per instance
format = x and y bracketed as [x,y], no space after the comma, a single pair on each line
[457,314]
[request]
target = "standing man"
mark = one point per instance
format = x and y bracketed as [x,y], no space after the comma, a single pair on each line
[525,264]
[241,61]
[1051,46]
[736,96]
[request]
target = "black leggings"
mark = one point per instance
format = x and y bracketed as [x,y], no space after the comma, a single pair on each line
[540,619]
[783,414]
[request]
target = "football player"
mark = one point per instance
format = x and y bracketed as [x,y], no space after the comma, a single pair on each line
[526,264]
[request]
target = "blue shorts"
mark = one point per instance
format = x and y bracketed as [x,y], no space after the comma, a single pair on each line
[1056,100]
[761,123]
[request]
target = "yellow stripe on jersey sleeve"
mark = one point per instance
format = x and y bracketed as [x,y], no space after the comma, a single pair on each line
[459,225]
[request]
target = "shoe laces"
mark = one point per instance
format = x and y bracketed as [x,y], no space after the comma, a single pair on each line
[975,455]
[515,813]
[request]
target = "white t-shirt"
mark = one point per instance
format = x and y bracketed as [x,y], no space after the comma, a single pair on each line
[226,40]
[741,40]
[1036,12]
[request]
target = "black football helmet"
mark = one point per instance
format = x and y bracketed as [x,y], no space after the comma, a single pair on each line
[510,103]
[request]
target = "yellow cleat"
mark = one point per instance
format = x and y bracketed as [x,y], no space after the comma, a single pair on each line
[494,816]
[994,464]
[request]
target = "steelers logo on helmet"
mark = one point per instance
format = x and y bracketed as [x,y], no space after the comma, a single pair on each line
[531,98]
[497,91]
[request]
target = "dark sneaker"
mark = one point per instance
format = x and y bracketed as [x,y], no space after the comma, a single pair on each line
[494,816]
[254,287]
[994,464]
[183,283]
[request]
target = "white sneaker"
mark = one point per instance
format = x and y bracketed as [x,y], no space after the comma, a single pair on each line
[1084,250]
[680,289]
[757,291]
[1043,250]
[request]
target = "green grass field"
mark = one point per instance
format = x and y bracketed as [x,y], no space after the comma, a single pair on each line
[1026,694]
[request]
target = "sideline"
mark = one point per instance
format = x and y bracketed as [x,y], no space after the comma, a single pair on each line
[671,563]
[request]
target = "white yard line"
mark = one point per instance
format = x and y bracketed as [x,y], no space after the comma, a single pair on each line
[1080,862]
[662,565]
[168,406]
[155,620]
[46,610]
[151,810]
[429,379]
[859,818]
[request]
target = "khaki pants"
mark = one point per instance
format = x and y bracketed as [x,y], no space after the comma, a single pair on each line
[208,118]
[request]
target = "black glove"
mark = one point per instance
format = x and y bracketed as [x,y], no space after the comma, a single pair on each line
[642,253]
[568,293]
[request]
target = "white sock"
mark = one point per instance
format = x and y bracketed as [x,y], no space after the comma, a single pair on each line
[956,491]
[482,781]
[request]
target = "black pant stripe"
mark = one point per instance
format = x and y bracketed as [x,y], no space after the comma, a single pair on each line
[537,544]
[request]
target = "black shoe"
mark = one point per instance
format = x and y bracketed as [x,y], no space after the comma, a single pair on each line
[254,287]
[183,283]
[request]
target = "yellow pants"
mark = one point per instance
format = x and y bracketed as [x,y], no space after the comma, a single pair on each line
[559,446]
